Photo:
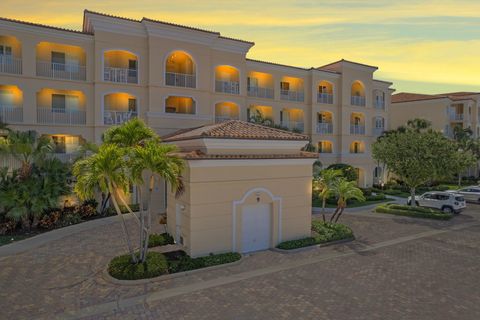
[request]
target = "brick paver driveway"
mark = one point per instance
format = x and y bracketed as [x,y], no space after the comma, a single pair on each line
[398,268]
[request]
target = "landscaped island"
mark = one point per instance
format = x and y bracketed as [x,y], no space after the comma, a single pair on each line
[409,211]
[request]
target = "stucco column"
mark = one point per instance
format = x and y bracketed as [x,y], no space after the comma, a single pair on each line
[29,60]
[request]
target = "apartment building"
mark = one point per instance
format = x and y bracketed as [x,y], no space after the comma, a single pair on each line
[73,85]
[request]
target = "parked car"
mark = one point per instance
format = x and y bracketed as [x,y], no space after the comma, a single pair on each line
[471,194]
[448,202]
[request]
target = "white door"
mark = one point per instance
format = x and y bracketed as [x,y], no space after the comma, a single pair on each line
[256,227]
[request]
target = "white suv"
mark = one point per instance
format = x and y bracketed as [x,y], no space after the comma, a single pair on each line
[446,201]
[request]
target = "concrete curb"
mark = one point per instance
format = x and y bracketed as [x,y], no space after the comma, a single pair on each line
[107,277]
[326,244]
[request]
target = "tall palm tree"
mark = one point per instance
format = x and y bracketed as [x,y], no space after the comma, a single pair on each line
[325,184]
[345,190]
[129,134]
[106,172]
[28,147]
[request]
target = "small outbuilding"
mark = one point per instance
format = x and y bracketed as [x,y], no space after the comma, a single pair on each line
[248,187]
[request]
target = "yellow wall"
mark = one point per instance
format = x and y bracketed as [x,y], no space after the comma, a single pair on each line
[44,97]
[44,52]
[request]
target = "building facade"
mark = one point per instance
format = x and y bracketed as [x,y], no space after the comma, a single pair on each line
[73,85]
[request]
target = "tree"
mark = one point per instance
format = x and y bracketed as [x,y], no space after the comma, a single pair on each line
[416,156]
[347,170]
[468,152]
[324,185]
[344,190]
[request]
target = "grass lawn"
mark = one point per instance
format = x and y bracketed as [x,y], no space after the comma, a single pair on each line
[6,239]
[318,203]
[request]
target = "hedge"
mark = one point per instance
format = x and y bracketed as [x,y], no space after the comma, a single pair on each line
[122,268]
[187,263]
[323,232]
[417,212]
[162,239]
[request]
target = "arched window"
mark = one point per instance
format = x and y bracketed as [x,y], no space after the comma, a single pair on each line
[180,70]
[325,147]
[325,92]
[358,94]
[357,147]
[325,122]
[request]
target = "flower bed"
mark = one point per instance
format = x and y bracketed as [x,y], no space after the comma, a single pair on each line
[416,212]
[322,232]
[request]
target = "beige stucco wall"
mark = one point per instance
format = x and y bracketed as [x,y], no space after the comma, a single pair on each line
[214,186]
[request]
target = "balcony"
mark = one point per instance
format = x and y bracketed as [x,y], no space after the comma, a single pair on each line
[61,71]
[357,129]
[120,75]
[219,119]
[357,101]
[326,98]
[61,116]
[456,116]
[9,64]
[293,125]
[232,87]
[378,131]
[114,117]
[292,95]
[380,104]
[325,128]
[11,114]
[183,80]
[260,92]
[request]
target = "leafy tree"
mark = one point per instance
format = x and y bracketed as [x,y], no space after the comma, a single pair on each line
[349,172]
[344,190]
[324,185]
[468,150]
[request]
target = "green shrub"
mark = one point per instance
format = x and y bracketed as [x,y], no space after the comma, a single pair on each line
[299,243]
[417,212]
[122,268]
[162,239]
[442,187]
[377,197]
[187,263]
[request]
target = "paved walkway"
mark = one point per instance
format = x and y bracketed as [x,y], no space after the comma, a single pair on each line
[398,268]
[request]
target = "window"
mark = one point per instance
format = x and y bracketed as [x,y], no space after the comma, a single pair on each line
[285,86]
[58,61]
[322,89]
[132,68]
[132,104]
[252,82]
[60,144]
[5,50]
[58,102]
[357,121]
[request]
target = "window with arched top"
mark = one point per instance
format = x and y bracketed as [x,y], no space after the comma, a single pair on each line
[357,147]
[325,146]
[325,92]
[358,94]
[180,70]
[325,122]
[379,99]
[357,123]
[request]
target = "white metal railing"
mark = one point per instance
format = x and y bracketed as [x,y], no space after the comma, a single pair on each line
[122,75]
[292,95]
[380,104]
[61,70]
[61,116]
[9,64]
[117,117]
[358,101]
[227,86]
[357,129]
[224,118]
[456,116]
[325,128]
[184,80]
[378,131]
[11,114]
[325,98]
[261,92]
[291,125]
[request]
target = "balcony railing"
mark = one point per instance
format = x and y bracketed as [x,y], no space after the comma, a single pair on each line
[9,64]
[378,131]
[325,128]
[11,114]
[292,95]
[293,125]
[261,92]
[61,71]
[113,117]
[358,101]
[325,98]
[379,104]
[357,129]
[61,116]
[219,119]
[456,116]
[227,86]
[122,75]
[183,80]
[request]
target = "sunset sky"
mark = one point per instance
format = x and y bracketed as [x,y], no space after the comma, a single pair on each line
[422,46]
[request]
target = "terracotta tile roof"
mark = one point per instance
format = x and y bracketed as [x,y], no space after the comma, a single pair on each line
[198,155]
[409,97]
[235,129]
[44,26]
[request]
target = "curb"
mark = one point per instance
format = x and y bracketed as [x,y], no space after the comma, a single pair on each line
[326,244]
[107,277]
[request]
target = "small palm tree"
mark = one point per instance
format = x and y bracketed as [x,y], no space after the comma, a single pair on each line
[129,134]
[345,190]
[325,185]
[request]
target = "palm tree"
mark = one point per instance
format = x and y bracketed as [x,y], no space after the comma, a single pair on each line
[325,184]
[345,190]
[27,147]
[129,134]
[106,172]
